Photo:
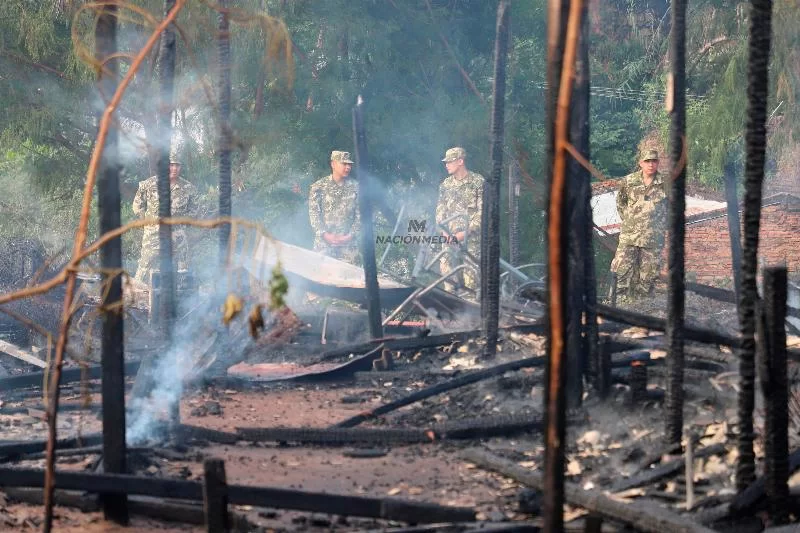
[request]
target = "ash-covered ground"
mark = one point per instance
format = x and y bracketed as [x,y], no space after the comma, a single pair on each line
[608,440]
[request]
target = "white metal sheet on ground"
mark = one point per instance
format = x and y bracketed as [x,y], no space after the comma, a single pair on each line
[315,267]
[606,217]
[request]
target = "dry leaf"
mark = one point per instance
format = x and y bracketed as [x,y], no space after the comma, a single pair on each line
[574,468]
[231,308]
[395,491]
[255,321]
[416,490]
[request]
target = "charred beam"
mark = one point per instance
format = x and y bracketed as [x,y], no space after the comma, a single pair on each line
[365,196]
[755,150]
[642,515]
[492,200]
[775,388]
[224,132]
[579,217]
[112,339]
[676,267]
[215,496]
[275,498]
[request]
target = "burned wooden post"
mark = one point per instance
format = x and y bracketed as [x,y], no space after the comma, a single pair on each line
[166,64]
[734,227]
[755,148]
[163,281]
[599,367]
[775,387]
[365,210]
[215,496]
[579,217]
[224,88]
[676,296]
[115,506]
[492,199]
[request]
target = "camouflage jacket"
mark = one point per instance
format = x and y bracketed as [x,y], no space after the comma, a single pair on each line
[643,211]
[461,197]
[183,197]
[333,208]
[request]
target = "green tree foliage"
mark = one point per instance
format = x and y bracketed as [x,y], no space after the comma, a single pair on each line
[424,68]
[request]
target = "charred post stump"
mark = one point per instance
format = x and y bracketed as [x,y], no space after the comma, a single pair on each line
[492,200]
[676,297]
[115,506]
[775,387]
[224,88]
[365,210]
[215,496]
[578,218]
[755,148]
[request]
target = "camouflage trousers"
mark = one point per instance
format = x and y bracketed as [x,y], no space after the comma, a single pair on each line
[637,271]
[468,276]
[148,261]
[348,254]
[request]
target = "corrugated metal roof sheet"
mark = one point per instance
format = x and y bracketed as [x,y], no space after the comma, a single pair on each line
[605,216]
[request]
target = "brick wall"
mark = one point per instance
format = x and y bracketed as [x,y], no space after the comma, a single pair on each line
[708,249]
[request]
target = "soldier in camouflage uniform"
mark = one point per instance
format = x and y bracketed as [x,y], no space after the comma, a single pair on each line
[333,211]
[184,200]
[461,193]
[642,206]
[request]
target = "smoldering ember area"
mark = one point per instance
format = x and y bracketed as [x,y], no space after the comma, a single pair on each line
[418,266]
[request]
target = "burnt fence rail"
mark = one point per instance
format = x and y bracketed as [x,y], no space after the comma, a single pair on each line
[276,498]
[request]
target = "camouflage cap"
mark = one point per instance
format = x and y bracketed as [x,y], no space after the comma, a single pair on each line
[454,153]
[649,155]
[175,156]
[342,157]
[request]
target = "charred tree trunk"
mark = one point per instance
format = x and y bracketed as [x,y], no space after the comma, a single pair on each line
[224,88]
[492,201]
[676,297]
[115,506]
[756,142]
[579,217]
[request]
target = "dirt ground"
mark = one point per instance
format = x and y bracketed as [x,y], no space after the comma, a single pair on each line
[606,440]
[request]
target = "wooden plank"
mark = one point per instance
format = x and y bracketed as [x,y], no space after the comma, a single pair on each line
[22,355]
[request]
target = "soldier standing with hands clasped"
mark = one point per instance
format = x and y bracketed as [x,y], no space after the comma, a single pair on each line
[459,211]
[333,211]
[642,206]
[184,203]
